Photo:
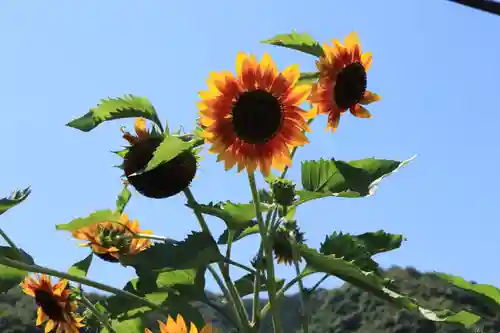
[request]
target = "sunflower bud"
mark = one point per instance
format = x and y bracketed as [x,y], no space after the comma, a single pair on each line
[283,191]
[283,240]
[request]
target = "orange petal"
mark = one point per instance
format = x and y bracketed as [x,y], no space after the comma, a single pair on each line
[40,316]
[366,60]
[312,113]
[298,94]
[360,112]
[181,324]
[369,97]
[291,74]
[240,59]
[49,326]
[333,121]
[140,127]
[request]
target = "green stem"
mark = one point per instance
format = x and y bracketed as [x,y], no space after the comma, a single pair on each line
[220,310]
[43,270]
[237,264]
[270,280]
[292,154]
[235,299]
[228,250]
[11,244]
[100,316]
[305,315]
[313,289]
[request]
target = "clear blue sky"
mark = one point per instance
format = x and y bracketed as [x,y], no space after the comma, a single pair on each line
[435,64]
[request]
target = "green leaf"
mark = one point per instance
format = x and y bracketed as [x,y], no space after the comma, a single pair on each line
[374,284]
[96,217]
[134,325]
[302,42]
[168,149]
[122,152]
[11,277]
[123,199]
[197,250]
[14,199]
[489,295]
[308,78]
[380,241]
[245,284]
[81,268]
[238,234]
[236,216]
[128,106]
[352,179]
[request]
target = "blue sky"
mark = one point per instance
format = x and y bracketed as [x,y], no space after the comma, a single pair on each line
[434,65]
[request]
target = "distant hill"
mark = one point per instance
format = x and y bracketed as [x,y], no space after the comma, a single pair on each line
[342,310]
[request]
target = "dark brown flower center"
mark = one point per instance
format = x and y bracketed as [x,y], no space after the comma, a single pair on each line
[257,116]
[350,86]
[49,304]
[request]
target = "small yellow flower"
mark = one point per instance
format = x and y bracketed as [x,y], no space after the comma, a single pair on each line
[109,240]
[54,305]
[179,326]
[342,83]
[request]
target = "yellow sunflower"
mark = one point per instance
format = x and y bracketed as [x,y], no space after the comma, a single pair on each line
[54,304]
[253,119]
[179,326]
[109,240]
[342,83]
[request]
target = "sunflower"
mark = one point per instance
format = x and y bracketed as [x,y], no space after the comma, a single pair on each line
[167,179]
[282,242]
[342,82]
[109,240]
[179,326]
[54,304]
[254,119]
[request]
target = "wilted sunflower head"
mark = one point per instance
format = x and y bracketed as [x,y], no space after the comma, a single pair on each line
[343,81]
[253,119]
[110,240]
[55,306]
[167,179]
[283,239]
[179,326]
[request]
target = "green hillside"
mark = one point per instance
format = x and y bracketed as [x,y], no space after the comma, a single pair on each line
[342,310]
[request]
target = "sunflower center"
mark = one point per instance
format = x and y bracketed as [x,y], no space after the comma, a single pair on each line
[111,238]
[257,116]
[49,304]
[350,86]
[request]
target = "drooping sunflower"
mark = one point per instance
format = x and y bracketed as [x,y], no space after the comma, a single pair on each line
[109,240]
[253,119]
[179,326]
[343,82]
[282,242]
[167,179]
[55,306]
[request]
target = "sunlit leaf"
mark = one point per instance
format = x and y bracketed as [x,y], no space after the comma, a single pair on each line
[168,149]
[11,277]
[298,41]
[13,200]
[374,284]
[308,77]
[128,106]
[123,199]
[134,325]
[81,268]
[352,179]
[245,284]
[96,217]
[197,250]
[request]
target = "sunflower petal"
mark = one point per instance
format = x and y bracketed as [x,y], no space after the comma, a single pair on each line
[351,40]
[298,94]
[140,128]
[360,112]
[49,326]
[366,60]
[241,57]
[291,74]
[369,98]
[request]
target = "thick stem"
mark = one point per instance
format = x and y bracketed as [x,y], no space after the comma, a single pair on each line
[235,299]
[270,280]
[303,301]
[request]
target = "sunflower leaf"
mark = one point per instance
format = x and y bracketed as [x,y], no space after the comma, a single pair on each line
[128,106]
[134,325]
[302,42]
[236,216]
[168,149]
[197,250]
[376,285]
[353,179]
[489,294]
[122,152]
[251,229]
[245,284]
[123,199]
[308,78]
[14,199]
[11,277]
[81,268]
[96,217]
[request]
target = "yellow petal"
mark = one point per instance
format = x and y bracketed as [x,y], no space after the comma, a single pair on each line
[207,329]
[49,326]
[267,64]
[181,324]
[146,330]
[369,97]
[299,94]
[40,316]
[140,126]
[163,326]
[366,60]
[59,287]
[351,40]
[193,328]
[312,113]
[291,74]
[240,59]
[360,111]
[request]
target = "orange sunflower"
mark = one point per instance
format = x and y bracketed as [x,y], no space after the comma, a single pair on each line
[253,119]
[342,82]
[179,326]
[54,304]
[109,240]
